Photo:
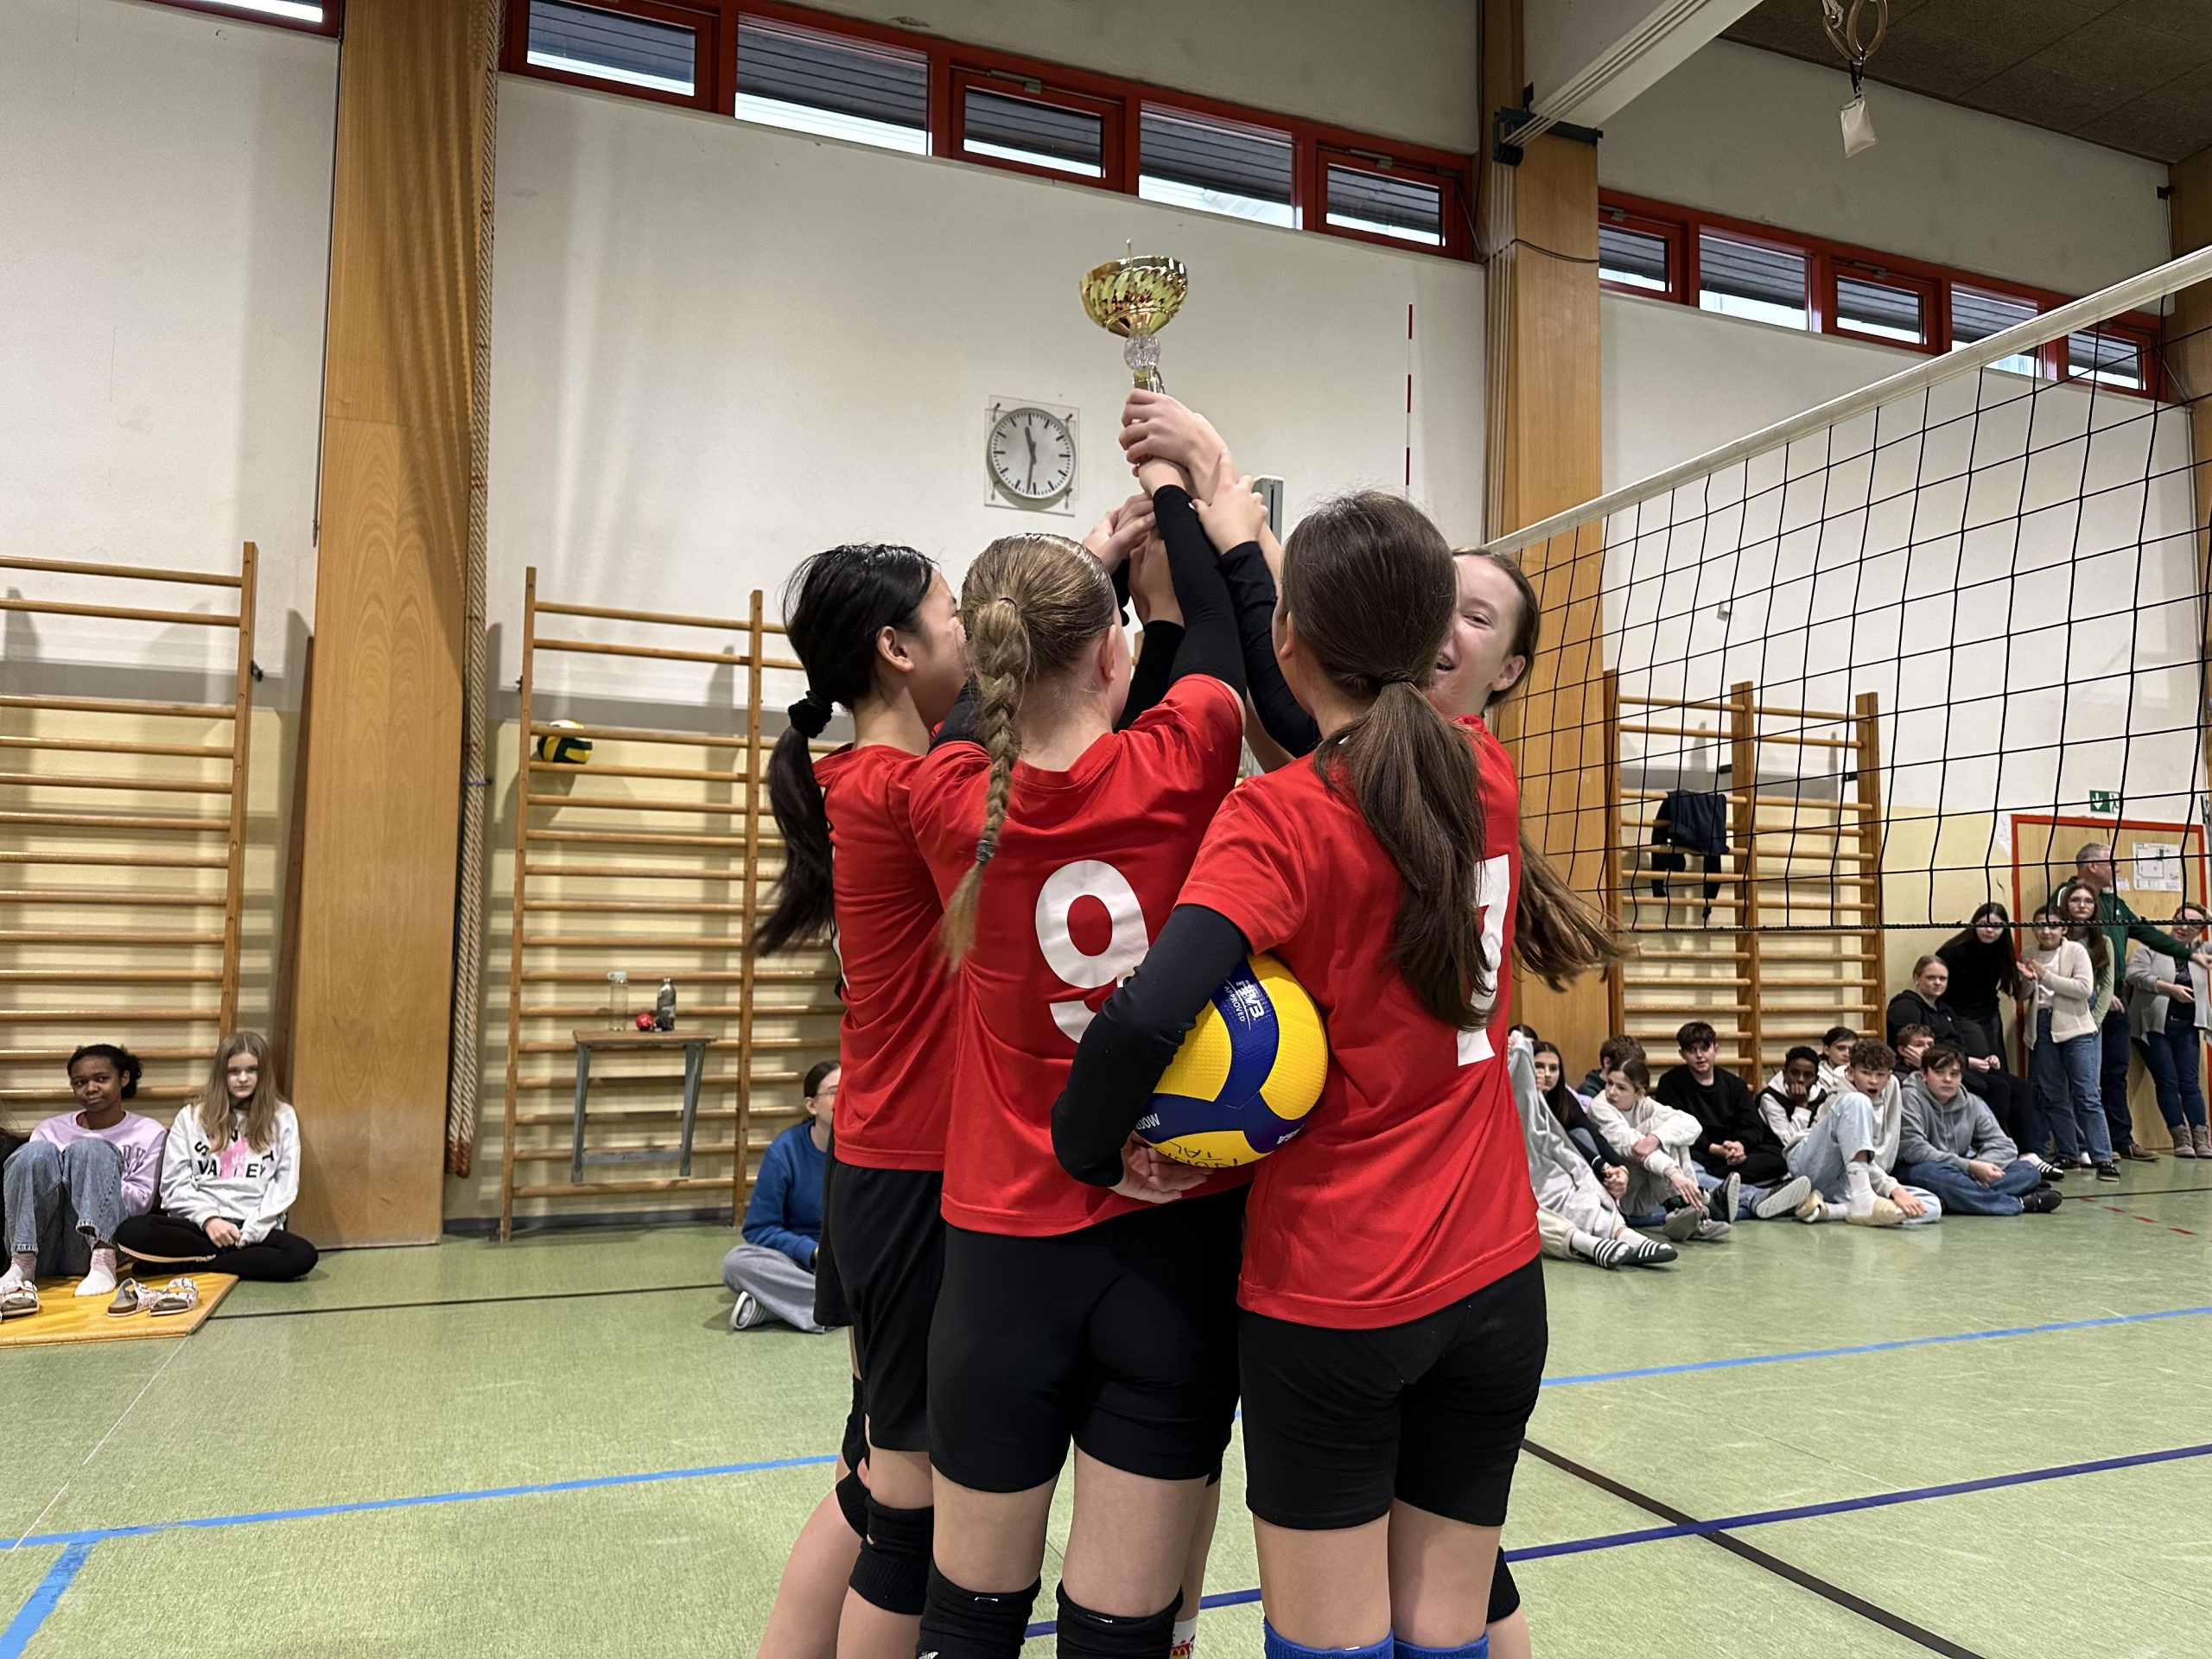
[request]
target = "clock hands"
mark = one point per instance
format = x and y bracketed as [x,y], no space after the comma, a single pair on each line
[1029,431]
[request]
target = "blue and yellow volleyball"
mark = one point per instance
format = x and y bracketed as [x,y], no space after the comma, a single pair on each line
[1247,1074]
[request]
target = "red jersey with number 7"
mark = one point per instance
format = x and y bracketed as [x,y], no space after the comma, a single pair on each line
[1086,871]
[1410,1188]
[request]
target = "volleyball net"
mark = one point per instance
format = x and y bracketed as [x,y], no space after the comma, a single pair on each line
[1861,671]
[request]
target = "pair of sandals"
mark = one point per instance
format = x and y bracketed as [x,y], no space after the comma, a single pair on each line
[178,1296]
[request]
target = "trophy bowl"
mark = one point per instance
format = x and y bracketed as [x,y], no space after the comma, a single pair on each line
[1136,298]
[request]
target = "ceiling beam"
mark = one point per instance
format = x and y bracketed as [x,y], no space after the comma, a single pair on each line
[1589,58]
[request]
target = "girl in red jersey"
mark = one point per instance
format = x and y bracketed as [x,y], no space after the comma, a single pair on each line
[1393,1336]
[876,629]
[1070,1312]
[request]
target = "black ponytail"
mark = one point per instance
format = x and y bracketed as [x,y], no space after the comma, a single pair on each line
[128,1066]
[834,605]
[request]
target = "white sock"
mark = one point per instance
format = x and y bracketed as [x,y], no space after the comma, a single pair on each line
[1583,1244]
[1187,1636]
[100,1281]
[1862,1187]
[22,1269]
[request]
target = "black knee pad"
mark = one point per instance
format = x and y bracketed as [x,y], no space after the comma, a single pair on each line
[1109,1636]
[1504,1594]
[893,1569]
[959,1624]
[852,1501]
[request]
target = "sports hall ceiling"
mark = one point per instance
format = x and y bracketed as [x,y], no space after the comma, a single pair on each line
[2132,74]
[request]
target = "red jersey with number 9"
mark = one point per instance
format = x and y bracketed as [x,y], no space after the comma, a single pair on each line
[1086,871]
[1410,1188]
[894,1091]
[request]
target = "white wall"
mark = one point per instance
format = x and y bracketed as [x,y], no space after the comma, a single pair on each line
[1754,135]
[164,222]
[1399,68]
[718,347]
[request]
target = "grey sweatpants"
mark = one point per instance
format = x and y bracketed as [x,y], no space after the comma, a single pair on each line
[783,1289]
[61,1199]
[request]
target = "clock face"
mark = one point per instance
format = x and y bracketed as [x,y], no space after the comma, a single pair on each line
[1031,454]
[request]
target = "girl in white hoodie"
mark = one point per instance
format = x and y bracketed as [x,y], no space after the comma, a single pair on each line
[2065,1049]
[229,1176]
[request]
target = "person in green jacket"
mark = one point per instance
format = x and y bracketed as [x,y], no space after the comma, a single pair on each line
[2094,869]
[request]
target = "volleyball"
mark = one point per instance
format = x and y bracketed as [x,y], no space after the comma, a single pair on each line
[561,749]
[1246,1076]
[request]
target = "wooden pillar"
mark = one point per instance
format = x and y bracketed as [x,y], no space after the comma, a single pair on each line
[376,927]
[2188,357]
[1540,222]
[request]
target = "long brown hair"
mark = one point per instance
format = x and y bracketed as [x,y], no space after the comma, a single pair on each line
[216,1105]
[1369,589]
[1032,605]
[1557,933]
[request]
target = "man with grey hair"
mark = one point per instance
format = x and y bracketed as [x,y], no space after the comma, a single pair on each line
[2094,869]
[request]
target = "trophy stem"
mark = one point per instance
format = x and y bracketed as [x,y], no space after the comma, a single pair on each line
[1142,356]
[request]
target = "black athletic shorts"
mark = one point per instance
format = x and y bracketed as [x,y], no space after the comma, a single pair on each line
[888,1237]
[1339,1423]
[830,1310]
[1121,1337]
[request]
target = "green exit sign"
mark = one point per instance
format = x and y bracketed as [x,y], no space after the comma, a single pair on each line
[2104,800]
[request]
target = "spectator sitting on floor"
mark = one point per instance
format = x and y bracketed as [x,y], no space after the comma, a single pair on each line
[229,1174]
[1578,1213]
[1950,1145]
[1913,1043]
[1734,1139]
[772,1271]
[1835,1055]
[1611,1053]
[1570,1110]
[1851,1153]
[1654,1140]
[1793,1097]
[80,1175]
[1925,1002]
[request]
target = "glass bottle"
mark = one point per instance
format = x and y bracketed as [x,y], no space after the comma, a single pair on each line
[618,1000]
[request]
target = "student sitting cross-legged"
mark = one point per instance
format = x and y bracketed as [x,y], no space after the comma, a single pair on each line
[1734,1143]
[1654,1140]
[772,1271]
[1850,1150]
[1950,1144]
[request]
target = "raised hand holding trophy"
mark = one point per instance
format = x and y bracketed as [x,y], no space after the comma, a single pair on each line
[1136,298]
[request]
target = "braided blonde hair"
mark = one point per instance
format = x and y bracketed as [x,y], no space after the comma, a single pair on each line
[1031,605]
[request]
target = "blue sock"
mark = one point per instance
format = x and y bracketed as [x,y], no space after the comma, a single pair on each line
[1278,1646]
[1477,1649]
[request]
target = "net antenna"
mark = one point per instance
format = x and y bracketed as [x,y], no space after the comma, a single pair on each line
[1842,24]
[1805,701]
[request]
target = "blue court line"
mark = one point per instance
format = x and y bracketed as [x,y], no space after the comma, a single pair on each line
[1875,1347]
[96,1535]
[1769,1517]
[43,1599]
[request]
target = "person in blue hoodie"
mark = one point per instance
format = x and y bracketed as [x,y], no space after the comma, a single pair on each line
[772,1271]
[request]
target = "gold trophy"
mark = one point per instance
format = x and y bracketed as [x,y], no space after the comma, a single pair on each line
[1136,298]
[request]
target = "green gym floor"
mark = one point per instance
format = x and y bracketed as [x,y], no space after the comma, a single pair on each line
[1986,1438]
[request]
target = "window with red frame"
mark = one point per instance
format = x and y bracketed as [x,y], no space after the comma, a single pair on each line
[1795,281]
[1007,120]
[871,83]
[314,16]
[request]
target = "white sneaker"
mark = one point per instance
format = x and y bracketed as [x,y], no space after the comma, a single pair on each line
[747,1313]
[1784,1199]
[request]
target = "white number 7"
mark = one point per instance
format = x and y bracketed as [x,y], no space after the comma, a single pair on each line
[1492,883]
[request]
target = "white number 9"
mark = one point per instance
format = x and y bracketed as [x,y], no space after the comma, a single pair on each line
[1088,878]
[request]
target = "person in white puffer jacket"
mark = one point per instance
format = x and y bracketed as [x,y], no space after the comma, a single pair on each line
[229,1176]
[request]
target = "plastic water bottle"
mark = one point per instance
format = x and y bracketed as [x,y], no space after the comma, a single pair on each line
[665,1007]
[618,1000]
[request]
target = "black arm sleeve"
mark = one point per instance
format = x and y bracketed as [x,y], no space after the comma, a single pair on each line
[964,723]
[1149,683]
[1135,1035]
[1208,621]
[1252,592]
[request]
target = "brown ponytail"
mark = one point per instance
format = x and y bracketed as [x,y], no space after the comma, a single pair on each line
[1030,606]
[1557,933]
[1367,585]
